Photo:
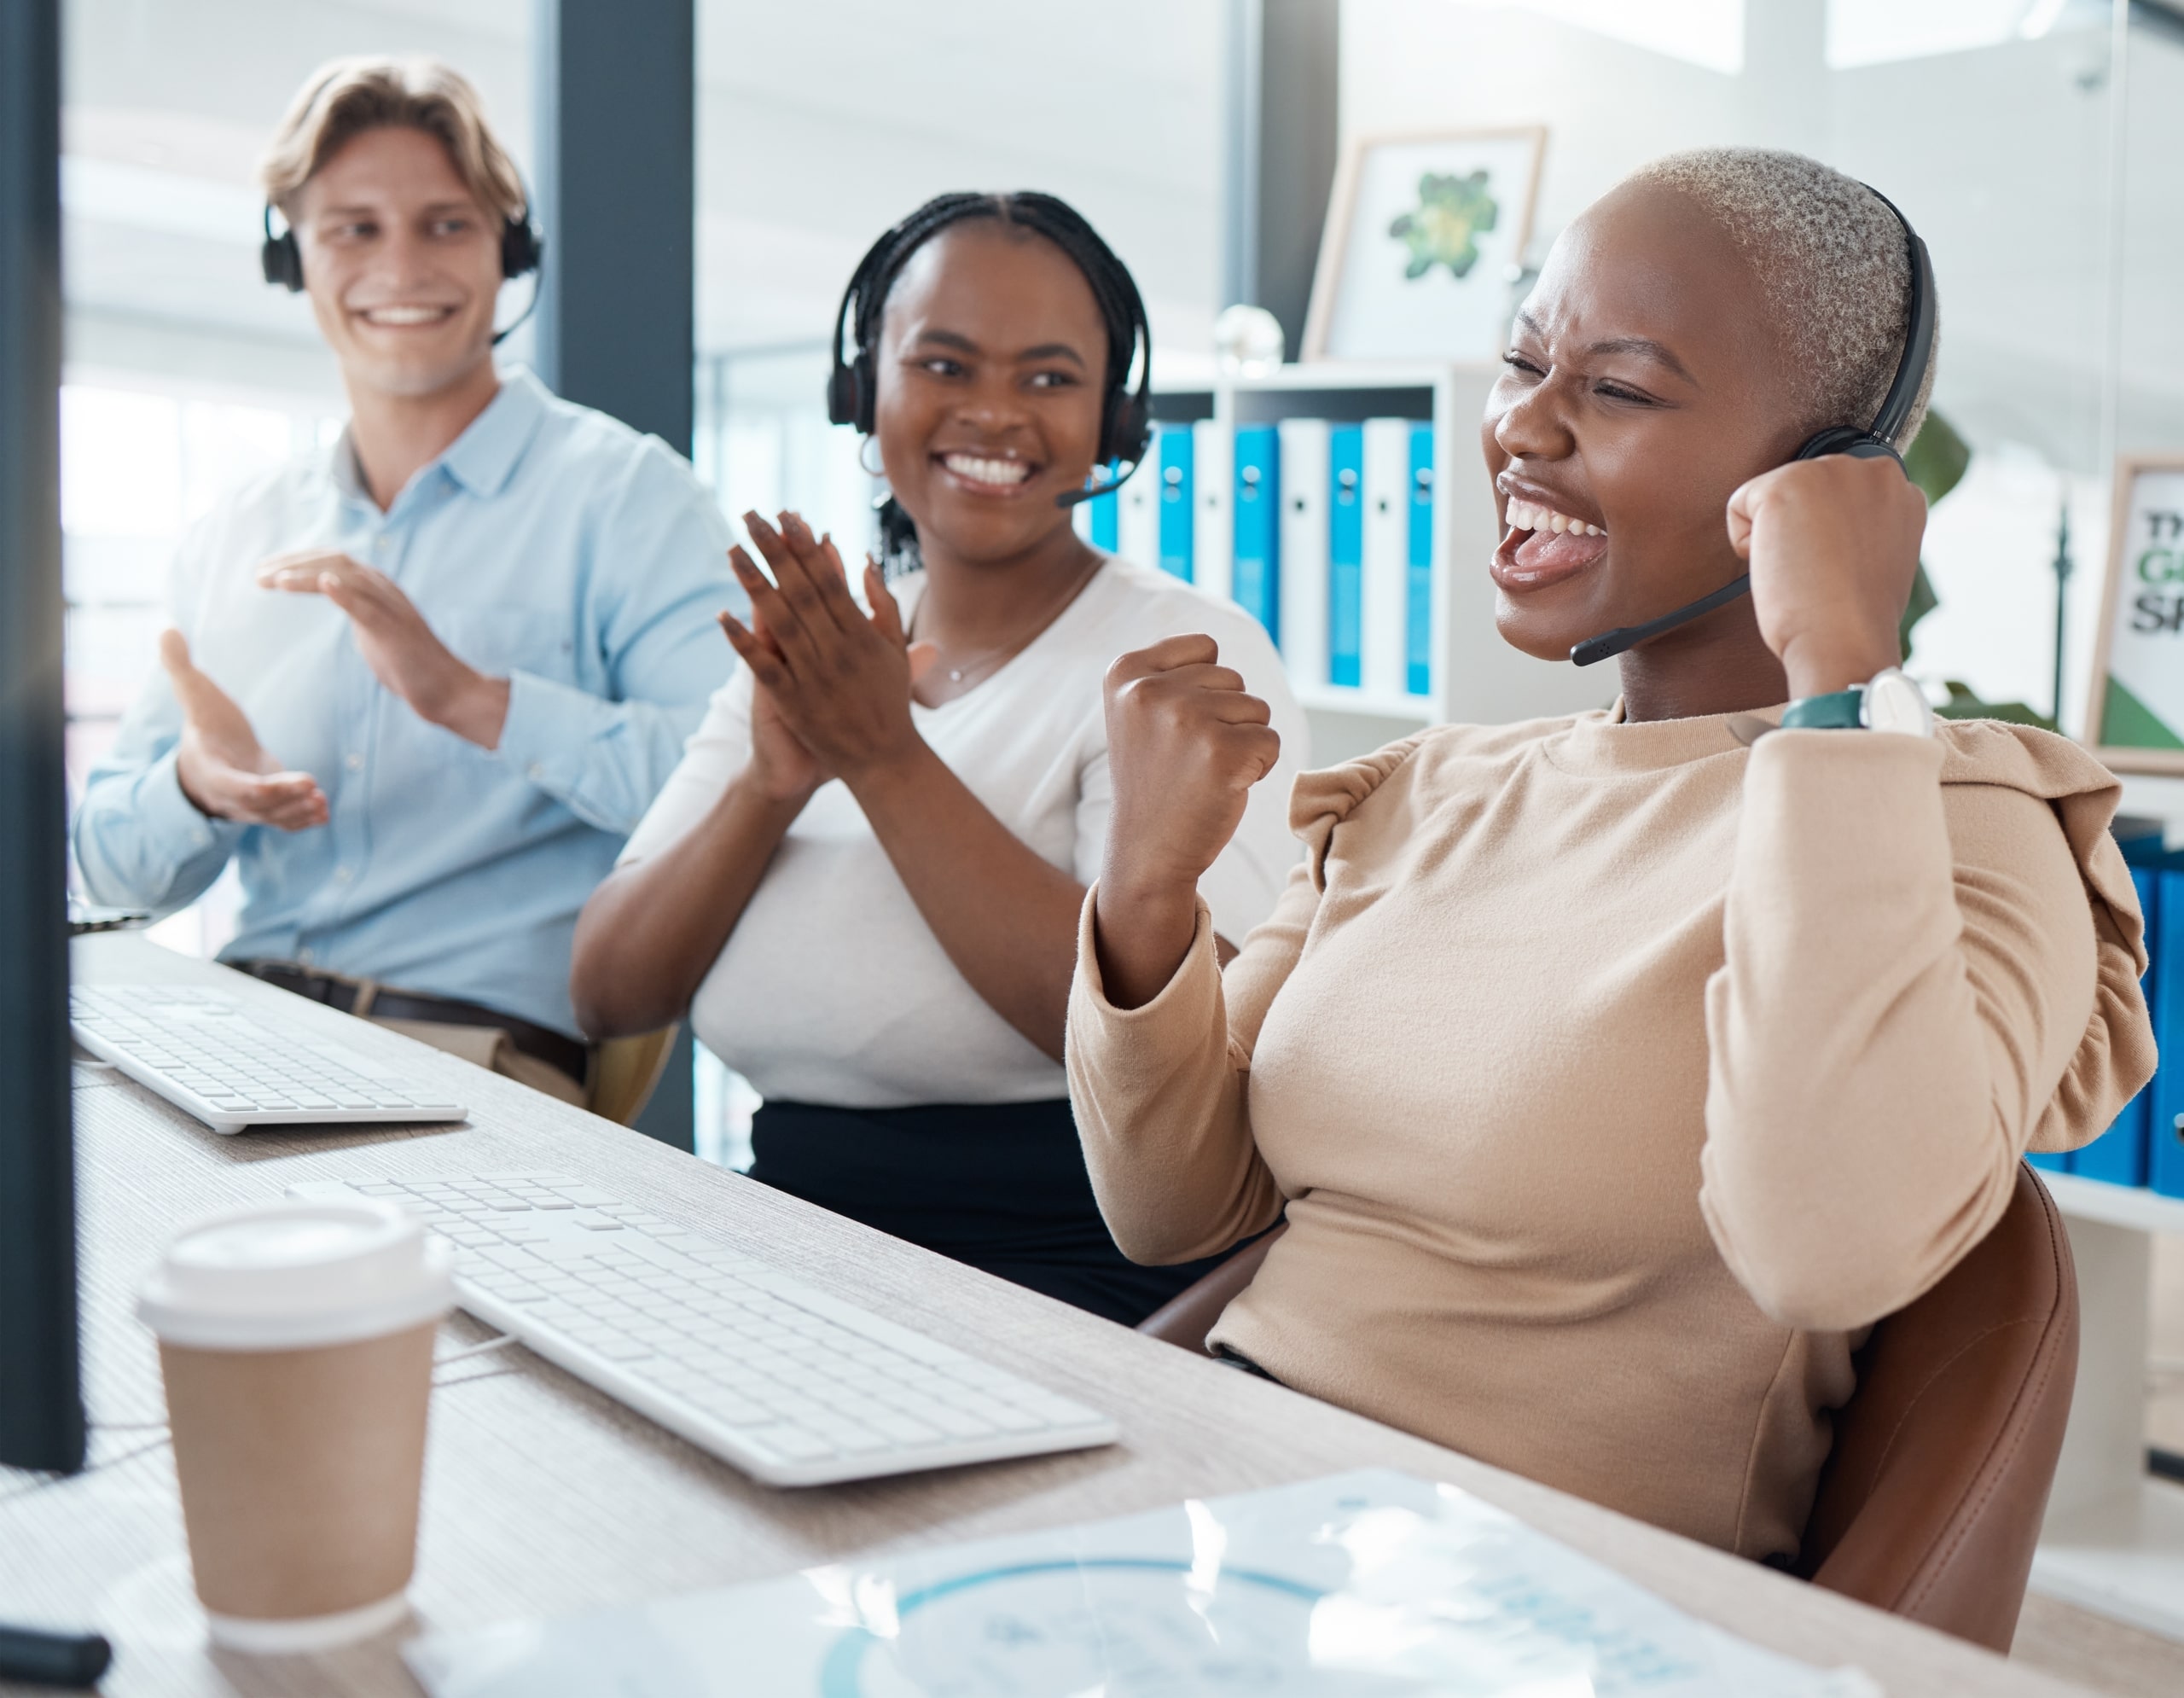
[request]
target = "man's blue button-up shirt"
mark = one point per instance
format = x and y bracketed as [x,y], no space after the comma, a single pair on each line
[550,545]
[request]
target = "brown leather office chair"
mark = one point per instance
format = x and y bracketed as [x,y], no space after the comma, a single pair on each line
[1929,1503]
[624,1071]
[1187,1317]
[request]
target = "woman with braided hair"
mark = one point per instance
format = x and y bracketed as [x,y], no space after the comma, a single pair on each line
[863,882]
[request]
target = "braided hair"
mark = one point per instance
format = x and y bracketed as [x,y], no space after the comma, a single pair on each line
[1122,310]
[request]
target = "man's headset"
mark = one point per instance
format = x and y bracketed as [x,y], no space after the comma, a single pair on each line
[522,250]
[1877,441]
[1126,414]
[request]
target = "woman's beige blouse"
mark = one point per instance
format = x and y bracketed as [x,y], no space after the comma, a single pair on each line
[1616,1077]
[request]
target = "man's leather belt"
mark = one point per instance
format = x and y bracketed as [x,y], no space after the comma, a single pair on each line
[338,991]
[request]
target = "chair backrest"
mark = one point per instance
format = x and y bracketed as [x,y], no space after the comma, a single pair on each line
[625,1070]
[1930,1505]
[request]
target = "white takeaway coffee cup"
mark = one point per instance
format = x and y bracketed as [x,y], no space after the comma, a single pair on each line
[296,1341]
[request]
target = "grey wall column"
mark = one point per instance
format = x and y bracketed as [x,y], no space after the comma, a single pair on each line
[614,105]
[37,1220]
[1241,78]
[1279,146]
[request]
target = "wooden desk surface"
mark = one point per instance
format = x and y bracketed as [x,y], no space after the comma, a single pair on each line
[541,1495]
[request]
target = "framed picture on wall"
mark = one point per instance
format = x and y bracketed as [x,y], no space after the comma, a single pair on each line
[1423,231]
[2135,721]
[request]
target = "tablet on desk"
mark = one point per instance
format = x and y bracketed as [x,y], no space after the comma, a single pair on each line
[1373,1581]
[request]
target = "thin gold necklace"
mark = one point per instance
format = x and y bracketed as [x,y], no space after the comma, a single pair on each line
[985,658]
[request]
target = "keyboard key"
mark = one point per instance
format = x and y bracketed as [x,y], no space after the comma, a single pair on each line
[737,1411]
[903,1429]
[583,1196]
[797,1444]
[957,1423]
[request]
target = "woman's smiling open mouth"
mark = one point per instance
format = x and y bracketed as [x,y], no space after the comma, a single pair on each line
[1541,545]
[984,474]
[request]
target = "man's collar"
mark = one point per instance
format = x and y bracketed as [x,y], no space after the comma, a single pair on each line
[483,458]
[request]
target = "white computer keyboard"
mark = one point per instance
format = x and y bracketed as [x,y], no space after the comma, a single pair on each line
[234,1068]
[792,1386]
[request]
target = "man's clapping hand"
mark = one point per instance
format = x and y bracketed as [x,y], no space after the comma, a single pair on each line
[224,770]
[398,644]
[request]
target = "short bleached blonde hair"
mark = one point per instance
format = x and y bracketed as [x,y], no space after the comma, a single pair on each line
[1834,264]
[346,97]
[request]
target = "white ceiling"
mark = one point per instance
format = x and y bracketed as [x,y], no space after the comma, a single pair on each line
[819,123]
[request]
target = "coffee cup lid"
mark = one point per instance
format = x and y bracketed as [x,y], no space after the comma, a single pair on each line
[291,1274]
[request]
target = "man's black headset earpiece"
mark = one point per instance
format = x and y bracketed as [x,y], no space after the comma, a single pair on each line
[1126,414]
[1877,441]
[522,251]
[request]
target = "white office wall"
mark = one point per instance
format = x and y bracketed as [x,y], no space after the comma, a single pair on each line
[822,124]
[1997,153]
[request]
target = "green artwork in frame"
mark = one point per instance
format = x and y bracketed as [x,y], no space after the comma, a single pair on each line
[1427,235]
[1444,228]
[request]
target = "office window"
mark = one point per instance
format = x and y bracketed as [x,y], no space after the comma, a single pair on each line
[1875,31]
[762,441]
[137,465]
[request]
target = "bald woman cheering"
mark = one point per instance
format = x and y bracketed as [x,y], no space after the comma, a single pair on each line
[1617,1073]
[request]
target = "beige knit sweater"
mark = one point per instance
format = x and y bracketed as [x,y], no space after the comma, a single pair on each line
[1616,1077]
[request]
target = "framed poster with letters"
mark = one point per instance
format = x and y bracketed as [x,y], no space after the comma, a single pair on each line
[2135,721]
[1424,233]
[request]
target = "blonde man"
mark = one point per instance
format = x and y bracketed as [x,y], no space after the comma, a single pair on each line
[421,682]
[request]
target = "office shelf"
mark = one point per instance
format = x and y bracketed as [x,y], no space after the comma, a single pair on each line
[1477,677]
[2121,1557]
[2113,1539]
[2131,1206]
[1343,699]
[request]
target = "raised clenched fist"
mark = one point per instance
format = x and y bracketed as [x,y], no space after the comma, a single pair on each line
[1834,545]
[1186,742]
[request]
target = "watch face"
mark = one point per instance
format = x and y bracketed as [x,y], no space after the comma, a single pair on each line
[1894,703]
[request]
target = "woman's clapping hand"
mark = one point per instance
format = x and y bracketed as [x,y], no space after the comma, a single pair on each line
[833,683]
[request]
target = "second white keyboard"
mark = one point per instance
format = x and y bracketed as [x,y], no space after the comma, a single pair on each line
[790,1384]
[235,1068]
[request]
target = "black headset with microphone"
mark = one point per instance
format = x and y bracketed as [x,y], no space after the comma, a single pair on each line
[1877,441]
[1125,413]
[522,250]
